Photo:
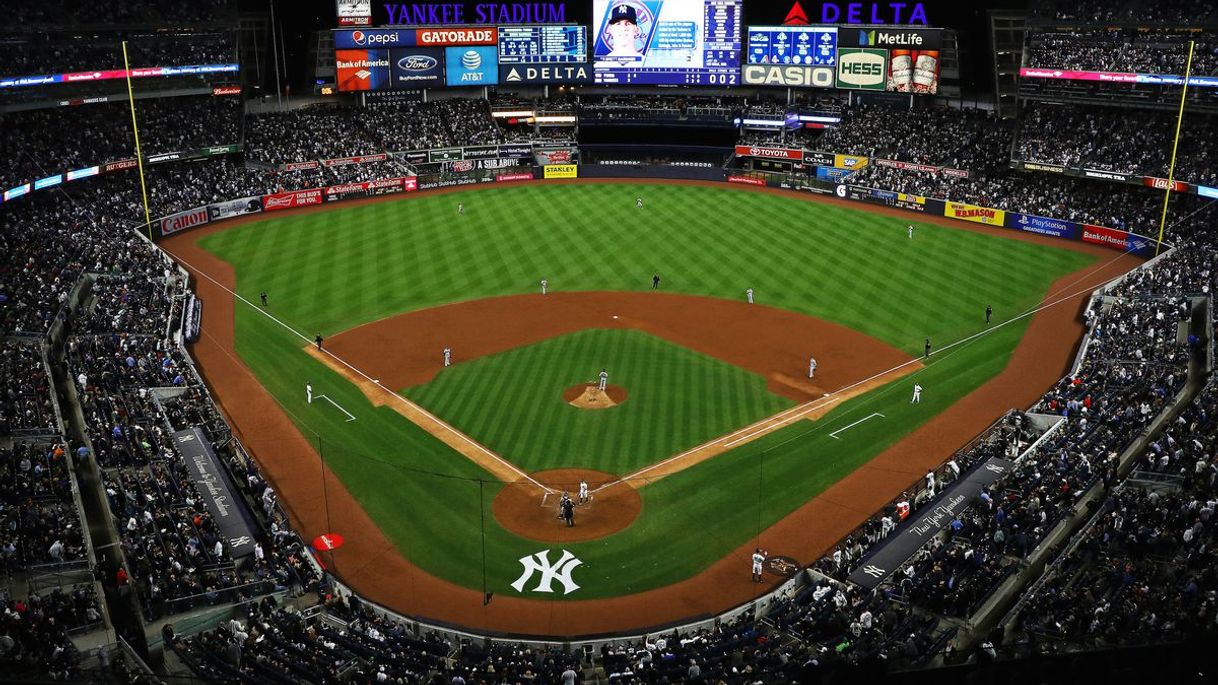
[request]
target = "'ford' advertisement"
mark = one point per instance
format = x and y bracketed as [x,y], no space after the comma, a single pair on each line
[416,67]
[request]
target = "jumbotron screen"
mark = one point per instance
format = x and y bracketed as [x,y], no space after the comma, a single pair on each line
[667,42]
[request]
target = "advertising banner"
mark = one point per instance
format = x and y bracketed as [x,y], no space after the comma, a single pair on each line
[554,156]
[354,12]
[184,220]
[1118,239]
[439,182]
[975,214]
[748,180]
[1042,225]
[1037,166]
[403,38]
[516,150]
[119,165]
[788,75]
[362,70]
[851,162]
[501,178]
[561,170]
[817,158]
[1162,183]
[770,152]
[296,198]
[223,502]
[415,156]
[450,154]
[862,68]
[1106,175]
[471,66]
[225,210]
[297,166]
[382,186]
[109,74]
[416,68]
[361,159]
[484,152]
[894,37]
[906,166]
[545,73]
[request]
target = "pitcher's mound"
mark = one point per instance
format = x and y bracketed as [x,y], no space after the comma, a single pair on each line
[589,396]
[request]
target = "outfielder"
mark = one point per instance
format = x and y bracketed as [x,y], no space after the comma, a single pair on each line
[638,203]
[917,395]
[583,492]
[911,231]
[758,560]
[460,207]
[604,380]
[748,294]
[309,392]
[448,356]
[544,286]
[811,367]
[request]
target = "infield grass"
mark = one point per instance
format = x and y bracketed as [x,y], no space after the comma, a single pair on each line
[327,271]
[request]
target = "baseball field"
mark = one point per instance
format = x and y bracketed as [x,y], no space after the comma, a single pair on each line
[444,480]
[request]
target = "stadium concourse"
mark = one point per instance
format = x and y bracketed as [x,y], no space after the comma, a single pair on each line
[116,569]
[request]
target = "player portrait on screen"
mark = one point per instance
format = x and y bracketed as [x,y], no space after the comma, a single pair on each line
[625,33]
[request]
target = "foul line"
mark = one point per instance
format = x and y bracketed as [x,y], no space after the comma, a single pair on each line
[869,416]
[510,466]
[350,416]
[764,426]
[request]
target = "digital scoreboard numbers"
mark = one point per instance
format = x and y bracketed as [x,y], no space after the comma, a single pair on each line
[803,45]
[542,44]
[667,42]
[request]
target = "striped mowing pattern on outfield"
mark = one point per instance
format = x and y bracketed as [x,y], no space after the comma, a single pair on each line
[512,402]
[330,270]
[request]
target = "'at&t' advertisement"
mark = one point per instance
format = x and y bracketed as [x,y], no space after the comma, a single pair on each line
[472,66]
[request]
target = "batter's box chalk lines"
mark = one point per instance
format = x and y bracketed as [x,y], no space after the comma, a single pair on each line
[839,430]
[350,416]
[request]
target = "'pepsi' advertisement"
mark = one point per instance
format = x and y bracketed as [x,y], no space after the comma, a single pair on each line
[416,68]
[472,66]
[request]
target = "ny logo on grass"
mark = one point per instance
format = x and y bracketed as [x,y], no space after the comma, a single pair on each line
[540,563]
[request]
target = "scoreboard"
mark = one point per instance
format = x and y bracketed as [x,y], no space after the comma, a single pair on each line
[807,45]
[543,44]
[667,42]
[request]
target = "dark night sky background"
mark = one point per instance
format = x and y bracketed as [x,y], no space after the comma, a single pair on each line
[299,18]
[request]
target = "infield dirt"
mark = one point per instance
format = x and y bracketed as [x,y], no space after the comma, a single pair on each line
[372,565]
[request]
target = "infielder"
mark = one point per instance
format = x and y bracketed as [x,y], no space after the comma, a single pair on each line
[911,231]
[917,395]
[638,203]
[604,380]
[748,294]
[262,295]
[811,367]
[583,492]
[926,349]
[758,560]
[544,286]
[448,356]
[309,392]
[989,311]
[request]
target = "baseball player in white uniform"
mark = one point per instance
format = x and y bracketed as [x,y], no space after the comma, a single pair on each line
[545,285]
[911,231]
[758,560]
[638,203]
[811,367]
[748,294]
[604,380]
[309,392]
[917,395]
[583,492]
[448,356]
[460,207]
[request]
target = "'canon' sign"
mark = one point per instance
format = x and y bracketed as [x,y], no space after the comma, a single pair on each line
[184,220]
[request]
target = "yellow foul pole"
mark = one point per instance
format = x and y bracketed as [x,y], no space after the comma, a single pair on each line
[139,156]
[1171,169]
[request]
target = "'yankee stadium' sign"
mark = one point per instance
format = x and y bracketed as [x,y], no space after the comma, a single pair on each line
[444,13]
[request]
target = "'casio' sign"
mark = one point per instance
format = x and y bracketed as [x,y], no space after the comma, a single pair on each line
[417,63]
[789,75]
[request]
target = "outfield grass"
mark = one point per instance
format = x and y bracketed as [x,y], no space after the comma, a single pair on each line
[330,270]
[677,398]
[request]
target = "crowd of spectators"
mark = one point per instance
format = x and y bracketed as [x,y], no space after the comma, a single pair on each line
[57,52]
[39,522]
[34,630]
[1117,51]
[57,139]
[1173,13]
[1117,139]
[48,14]
[25,396]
